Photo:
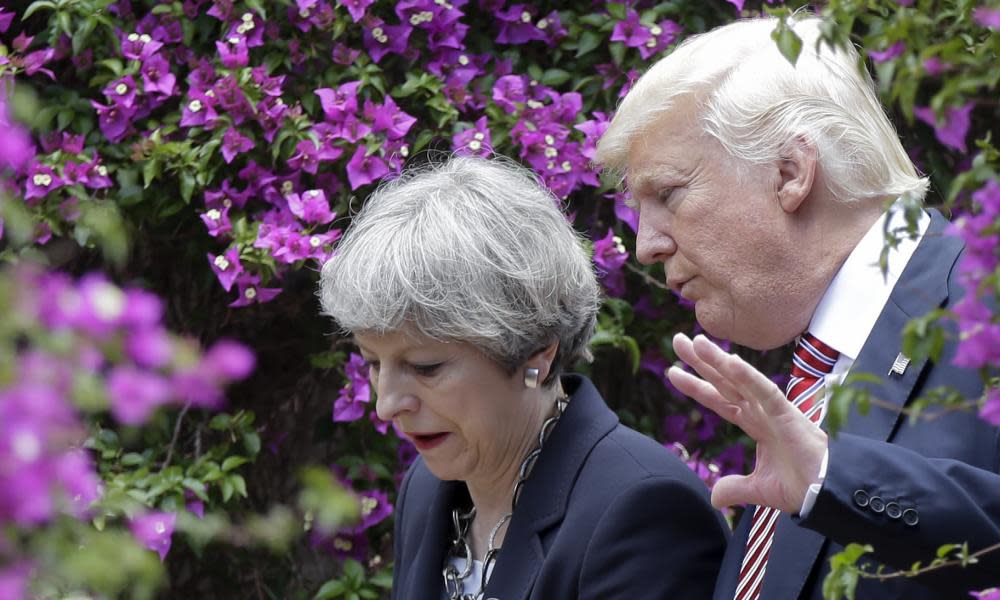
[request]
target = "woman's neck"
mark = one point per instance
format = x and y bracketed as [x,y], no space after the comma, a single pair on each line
[491,495]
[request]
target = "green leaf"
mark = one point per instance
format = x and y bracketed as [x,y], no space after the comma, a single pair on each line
[150,171]
[331,589]
[220,421]
[36,6]
[239,484]
[617,11]
[227,489]
[233,462]
[789,43]
[589,41]
[251,441]
[132,459]
[555,77]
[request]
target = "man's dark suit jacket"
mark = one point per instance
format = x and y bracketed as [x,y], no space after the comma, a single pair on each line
[936,481]
[607,513]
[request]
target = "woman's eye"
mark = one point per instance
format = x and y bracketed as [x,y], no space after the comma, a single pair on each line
[426,370]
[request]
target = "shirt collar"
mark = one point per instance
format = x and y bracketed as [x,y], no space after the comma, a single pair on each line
[852,303]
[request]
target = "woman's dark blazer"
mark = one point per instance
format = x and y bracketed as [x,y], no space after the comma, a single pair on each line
[607,513]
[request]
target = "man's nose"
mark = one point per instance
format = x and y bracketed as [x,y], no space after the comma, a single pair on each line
[652,243]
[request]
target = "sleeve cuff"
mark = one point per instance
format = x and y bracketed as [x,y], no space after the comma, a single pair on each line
[814,488]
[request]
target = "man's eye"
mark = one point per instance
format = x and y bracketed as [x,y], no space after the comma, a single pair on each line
[426,370]
[373,366]
[665,194]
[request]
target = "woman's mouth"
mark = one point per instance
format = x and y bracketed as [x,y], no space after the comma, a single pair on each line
[427,441]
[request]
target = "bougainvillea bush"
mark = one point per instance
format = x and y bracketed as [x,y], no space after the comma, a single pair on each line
[181,169]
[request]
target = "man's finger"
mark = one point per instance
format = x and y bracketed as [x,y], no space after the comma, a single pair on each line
[733,489]
[741,375]
[684,347]
[704,393]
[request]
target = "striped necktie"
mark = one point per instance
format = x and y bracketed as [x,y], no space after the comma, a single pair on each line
[811,361]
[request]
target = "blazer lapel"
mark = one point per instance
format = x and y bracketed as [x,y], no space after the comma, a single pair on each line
[546,493]
[922,286]
[426,581]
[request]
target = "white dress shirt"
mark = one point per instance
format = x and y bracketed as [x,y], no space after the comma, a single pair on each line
[848,310]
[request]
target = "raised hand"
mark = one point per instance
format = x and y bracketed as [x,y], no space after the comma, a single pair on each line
[790,448]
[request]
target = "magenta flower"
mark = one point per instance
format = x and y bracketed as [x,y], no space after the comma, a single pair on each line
[990,594]
[341,102]
[593,129]
[737,3]
[228,361]
[952,132]
[509,91]
[121,91]
[363,169]
[149,347]
[357,8]
[307,157]
[881,56]
[135,394]
[217,221]
[311,207]
[609,256]
[625,213]
[154,530]
[517,25]
[233,143]
[381,39]
[40,181]
[353,399]
[227,266]
[233,52]
[14,139]
[114,120]
[475,140]
[934,66]
[375,507]
[979,343]
[74,470]
[388,117]
[344,54]
[662,35]
[987,17]
[13,578]
[250,291]
[5,20]
[199,110]
[156,76]
[136,46]
[631,32]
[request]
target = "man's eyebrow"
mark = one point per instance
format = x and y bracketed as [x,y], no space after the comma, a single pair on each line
[639,180]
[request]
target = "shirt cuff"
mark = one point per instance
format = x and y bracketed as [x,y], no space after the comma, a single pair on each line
[814,488]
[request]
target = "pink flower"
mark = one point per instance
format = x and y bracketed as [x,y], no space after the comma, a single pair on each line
[154,530]
[953,130]
[135,394]
[363,169]
[881,56]
[987,17]
[311,207]
[233,143]
[990,411]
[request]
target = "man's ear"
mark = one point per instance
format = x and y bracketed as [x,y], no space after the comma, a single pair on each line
[797,172]
[542,360]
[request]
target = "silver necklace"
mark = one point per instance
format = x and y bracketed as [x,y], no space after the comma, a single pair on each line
[454,581]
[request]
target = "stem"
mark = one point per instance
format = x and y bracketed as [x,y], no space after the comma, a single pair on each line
[646,277]
[177,433]
[929,416]
[922,570]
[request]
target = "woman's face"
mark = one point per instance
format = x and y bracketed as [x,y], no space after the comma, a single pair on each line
[467,417]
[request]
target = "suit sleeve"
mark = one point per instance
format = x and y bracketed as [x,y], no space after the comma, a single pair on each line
[906,505]
[659,538]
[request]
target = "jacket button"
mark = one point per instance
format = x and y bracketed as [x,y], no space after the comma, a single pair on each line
[893,510]
[876,505]
[911,517]
[861,498]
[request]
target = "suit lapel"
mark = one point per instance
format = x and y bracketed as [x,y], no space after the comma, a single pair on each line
[546,493]
[426,581]
[921,288]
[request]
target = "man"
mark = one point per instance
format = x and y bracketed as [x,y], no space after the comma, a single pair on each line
[762,188]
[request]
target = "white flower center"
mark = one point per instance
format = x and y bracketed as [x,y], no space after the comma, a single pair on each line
[551,152]
[479,136]
[247,17]
[475,145]
[567,166]
[235,40]
[222,262]
[102,170]
[304,13]
[534,104]
[463,59]
[109,301]
[159,527]
[286,187]
[526,17]
[313,193]
[342,544]
[250,293]
[42,179]
[549,139]
[121,89]
[543,23]
[145,39]
[133,37]
[214,214]
[315,242]
[656,30]
[404,151]
[26,446]
[368,504]
[194,106]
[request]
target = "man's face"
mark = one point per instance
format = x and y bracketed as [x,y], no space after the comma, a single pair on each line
[725,241]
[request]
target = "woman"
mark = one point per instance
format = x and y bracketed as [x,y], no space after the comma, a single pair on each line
[469,293]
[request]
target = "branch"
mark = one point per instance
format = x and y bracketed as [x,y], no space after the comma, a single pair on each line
[177,433]
[930,567]
[646,277]
[923,414]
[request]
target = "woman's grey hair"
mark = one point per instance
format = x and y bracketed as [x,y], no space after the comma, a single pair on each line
[469,250]
[757,104]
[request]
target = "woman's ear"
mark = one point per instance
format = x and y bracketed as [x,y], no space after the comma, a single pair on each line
[542,361]
[797,170]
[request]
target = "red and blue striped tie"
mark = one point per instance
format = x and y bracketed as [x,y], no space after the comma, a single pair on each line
[811,362]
